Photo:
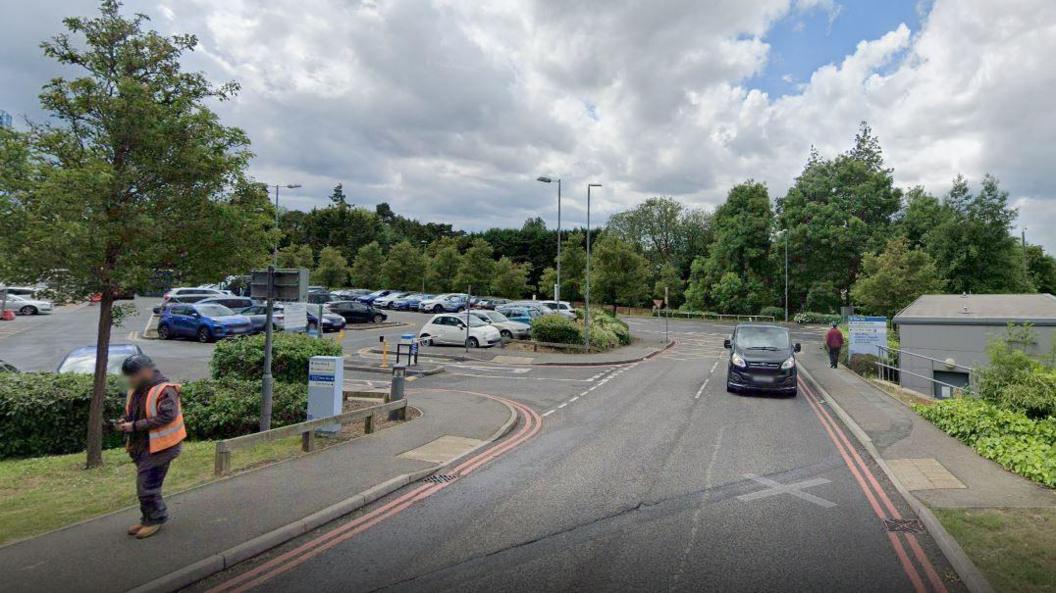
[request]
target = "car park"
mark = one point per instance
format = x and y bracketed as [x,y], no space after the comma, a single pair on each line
[520,313]
[356,312]
[451,329]
[258,318]
[385,302]
[82,360]
[368,299]
[409,302]
[186,299]
[348,294]
[27,306]
[235,303]
[508,328]
[332,322]
[762,358]
[319,297]
[489,303]
[450,302]
[206,323]
[22,291]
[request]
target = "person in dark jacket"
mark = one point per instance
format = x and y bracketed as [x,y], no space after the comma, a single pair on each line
[833,343]
[153,424]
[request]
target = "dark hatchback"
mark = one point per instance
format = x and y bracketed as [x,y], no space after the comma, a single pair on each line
[762,358]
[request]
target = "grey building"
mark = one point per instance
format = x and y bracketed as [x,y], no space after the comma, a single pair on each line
[944,336]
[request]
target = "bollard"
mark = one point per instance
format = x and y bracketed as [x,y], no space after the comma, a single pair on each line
[384,352]
[396,391]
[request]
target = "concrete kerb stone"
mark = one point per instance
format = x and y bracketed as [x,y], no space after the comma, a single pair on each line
[215,563]
[388,371]
[609,362]
[969,573]
[369,326]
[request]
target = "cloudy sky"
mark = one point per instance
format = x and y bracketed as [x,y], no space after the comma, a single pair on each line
[449,109]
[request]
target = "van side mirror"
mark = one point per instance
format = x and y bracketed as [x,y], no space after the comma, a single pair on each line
[797,347]
[726,344]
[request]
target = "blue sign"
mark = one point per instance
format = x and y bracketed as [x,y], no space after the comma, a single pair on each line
[867,334]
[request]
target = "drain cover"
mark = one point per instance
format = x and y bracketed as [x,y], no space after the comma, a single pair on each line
[904,525]
[441,478]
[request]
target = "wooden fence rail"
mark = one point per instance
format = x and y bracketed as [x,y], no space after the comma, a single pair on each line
[306,429]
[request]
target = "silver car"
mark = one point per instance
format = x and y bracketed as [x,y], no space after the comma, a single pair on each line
[28,306]
[507,328]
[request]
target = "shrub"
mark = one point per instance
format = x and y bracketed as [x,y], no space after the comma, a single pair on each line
[556,329]
[811,317]
[608,322]
[1021,444]
[243,357]
[1017,381]
[602,338]
[863,364]
[775,312]
[226,408]
[47,413]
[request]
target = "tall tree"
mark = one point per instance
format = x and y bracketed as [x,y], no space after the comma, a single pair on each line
[573,268]
[669,282]
[921,213]
[333,268]
[1042,269]
[404,267]
[664,230]
[444,265]
[894,278]
[475,269]
[366,268]
[132,173]
[510,279]
[297,256]
[620,275]
[338,197]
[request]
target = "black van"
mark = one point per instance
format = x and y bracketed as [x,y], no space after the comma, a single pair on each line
[762,358]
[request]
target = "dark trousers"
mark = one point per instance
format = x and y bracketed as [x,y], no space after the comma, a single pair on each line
[150,476]
[834,357]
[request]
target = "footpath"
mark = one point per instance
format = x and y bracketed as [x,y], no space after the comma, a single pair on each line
[929,467]
[224,522]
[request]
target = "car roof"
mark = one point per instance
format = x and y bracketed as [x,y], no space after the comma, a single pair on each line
[770,325]
[113,349]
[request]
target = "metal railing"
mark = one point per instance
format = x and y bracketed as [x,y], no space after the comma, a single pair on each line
[718,316]
[889,368]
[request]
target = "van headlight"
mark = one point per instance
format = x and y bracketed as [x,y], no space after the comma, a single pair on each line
[737,360]
[791,362]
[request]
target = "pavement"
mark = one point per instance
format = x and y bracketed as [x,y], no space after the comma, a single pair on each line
[211,521]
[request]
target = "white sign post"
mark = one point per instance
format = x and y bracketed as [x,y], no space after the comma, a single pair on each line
[295,317]
[326,379]
[867,334]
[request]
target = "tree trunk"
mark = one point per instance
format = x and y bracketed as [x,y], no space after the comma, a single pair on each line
[102,349]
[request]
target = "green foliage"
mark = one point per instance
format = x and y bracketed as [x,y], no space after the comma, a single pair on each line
[404,267]
[229,407]
[296,256]
[444,266]
[1042,269]
[45,413]
[510,280]
[670,279]
[573,269]
[895,278]
[668,233]
[476,268]
[243,357]
[556,329]
[547,280]
[811,317]
[823,296]
[366,269]
[532,245]
[333,268]
[777,313]
[1021,444]
[732,295]
[1014,379]
[603,320]
[620,274]
[863,364]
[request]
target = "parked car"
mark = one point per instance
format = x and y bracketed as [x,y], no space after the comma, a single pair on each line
[450,302]
[451,329]
[508,328]
[368,299]
[186,299]
[409,302]
[82,360]
[186,291]
[235,303]
[348,294]
[519,313]
[6,367]
[356,312]
[258,318]
[319,298]
[489,303]
[564,308]
[385,302]
[22,291]
[762,358]
[205,323]
[27,306]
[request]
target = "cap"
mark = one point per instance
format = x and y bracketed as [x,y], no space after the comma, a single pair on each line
[135,363]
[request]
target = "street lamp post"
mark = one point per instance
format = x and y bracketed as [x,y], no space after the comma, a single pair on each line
[266,382]
[586,315]
[557,285]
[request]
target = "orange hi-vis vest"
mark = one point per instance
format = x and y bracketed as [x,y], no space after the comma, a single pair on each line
[167,435]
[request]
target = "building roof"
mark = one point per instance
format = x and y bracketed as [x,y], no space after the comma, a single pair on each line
[980,309]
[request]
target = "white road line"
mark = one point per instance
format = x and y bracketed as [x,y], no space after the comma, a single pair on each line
[702,387]
[714,366]
[563,405]
[548,412]
[573,399]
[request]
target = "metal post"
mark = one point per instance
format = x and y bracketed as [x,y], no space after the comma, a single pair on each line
[557,287]
[275,249]
[319,320]
[586,314]
[786,275]
[266,380]
[396,387]
[667,318]
[469,296]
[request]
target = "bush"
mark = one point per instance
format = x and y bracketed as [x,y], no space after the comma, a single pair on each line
[1017,381]
[1021,444]
[811,317]
[243,357]
[47,413]
[776,312]
[863,364]
[605,321]
[602,338]
[226,408]
[556,329]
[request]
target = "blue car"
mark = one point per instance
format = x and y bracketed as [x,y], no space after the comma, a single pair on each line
[519,313]
[205,323]
[368,299]
[409,302]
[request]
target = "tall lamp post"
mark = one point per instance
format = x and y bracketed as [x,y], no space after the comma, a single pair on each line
[586,315]
[557,285]
[266,382]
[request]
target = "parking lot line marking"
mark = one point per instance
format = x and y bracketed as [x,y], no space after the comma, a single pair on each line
[702,387]
[775,488]
[548,412]
[563,405]
[573,399]
[714,366]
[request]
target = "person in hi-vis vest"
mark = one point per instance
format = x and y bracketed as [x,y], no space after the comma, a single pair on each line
[154,426]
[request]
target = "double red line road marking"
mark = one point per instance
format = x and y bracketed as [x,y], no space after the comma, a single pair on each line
[877,498]
[248,580]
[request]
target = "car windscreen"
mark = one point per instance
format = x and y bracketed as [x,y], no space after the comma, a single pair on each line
[496,317]
[214,311]
[83,360]
[762,338]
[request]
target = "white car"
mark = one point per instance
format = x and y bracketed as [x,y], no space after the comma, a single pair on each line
[188,291]
[451,329]
[385,302]
[27,306]
[564,308]
[507,328]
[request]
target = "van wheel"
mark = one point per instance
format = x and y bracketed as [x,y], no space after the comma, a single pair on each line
[204,336]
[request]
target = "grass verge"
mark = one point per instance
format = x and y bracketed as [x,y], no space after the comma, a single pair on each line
[1015,548]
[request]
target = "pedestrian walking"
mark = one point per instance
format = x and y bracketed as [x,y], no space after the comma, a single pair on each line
[833,343]
[154,429]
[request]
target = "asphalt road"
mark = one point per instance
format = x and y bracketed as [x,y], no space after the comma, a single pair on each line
[644,477]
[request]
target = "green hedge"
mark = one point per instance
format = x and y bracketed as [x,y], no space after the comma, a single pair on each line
[1012,439]
[243,357]
[810,317]
[47,413]
[557,329]
[226,408]
[776,312]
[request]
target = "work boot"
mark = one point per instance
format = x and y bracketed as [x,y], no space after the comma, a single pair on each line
[135,528]
[147,531]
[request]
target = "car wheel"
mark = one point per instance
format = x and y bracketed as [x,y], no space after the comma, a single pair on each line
[27,310]
[459,309]
[204,336]
[506,334]
[378,318]
[438,309]
[426,340]
[164,333]
[473,343]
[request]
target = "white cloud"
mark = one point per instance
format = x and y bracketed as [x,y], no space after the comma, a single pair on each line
[449,109]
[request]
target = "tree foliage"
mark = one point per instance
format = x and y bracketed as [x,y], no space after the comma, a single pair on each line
[366,268]
[620,275]
[510,279]
[333,268]
[894,278]
[444,265]
[404,267]
[297,256]
[476,268]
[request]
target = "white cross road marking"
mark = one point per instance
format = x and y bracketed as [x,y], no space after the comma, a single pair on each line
[795,489]
[702,387]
